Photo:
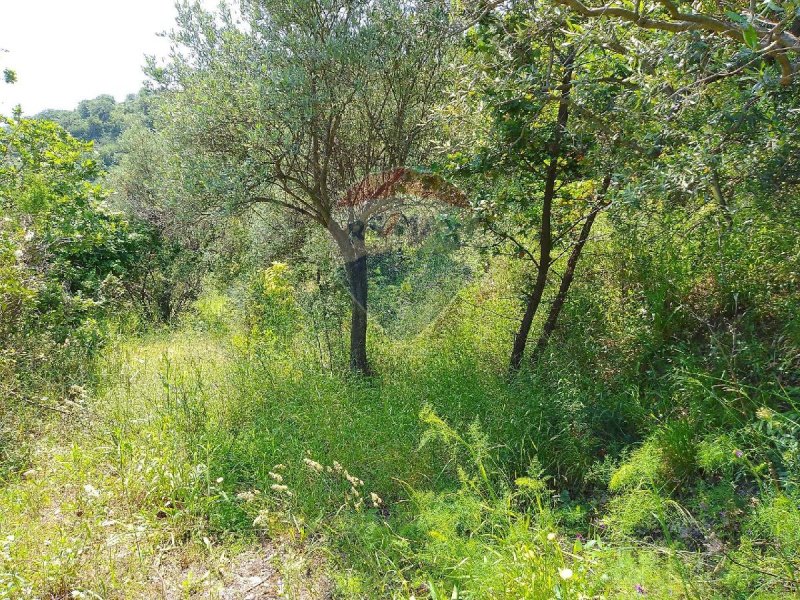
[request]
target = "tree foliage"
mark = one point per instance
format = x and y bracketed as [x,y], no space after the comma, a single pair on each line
[61,248]
[302,106]
[103,120]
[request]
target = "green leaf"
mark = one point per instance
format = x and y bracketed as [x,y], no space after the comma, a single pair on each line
[750,37]
[736,17]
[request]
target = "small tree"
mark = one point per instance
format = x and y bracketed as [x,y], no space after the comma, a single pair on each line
[540,154]
[314,106]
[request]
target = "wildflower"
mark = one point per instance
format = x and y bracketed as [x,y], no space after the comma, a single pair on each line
[279,488]
[579,537]
[551,536]
[738,453]
[337,467]
[246,496]
[528,553]
[220,479]
[313,465]
[276,476]
[639,589]
[764,413]
[354,481]
[376,500]
[91,491]
[279,467]
[565,573]
[18,254]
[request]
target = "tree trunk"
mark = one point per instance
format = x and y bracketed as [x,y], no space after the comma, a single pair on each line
[569,273]
[354,252]
[722,201]
[535,298]
[357,279]
[355,256]
[545,231]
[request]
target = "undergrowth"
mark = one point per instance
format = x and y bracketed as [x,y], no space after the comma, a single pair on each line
[438,479]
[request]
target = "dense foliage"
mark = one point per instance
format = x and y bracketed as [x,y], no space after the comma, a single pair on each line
[61,253]
[102,121]
[580,226]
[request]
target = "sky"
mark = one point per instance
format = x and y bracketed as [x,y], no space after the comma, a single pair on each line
[65,51]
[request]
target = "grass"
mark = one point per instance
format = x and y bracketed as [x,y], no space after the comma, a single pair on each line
[437,479]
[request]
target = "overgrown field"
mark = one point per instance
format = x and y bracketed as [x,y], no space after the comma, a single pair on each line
[413,299]
[437,478]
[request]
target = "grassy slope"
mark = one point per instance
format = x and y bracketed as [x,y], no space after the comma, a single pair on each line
[182,459]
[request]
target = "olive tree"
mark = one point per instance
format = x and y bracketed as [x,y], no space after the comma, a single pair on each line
[316,106]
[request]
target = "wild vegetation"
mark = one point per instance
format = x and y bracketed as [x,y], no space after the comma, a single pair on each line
[577,230]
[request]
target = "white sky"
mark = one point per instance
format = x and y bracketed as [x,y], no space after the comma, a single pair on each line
[67,50]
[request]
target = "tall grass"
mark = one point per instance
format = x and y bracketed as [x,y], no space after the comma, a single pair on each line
[438,478]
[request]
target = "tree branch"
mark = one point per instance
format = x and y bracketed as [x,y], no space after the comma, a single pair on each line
[772,39]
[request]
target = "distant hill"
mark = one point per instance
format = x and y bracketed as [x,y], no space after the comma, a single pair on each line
[102,120]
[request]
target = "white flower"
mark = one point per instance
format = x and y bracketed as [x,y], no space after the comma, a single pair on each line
[376,500]
[354,481]
[276,476]
[18,254]
[551,536]
[281,488]
[313,465]
[91,491]
[565,573]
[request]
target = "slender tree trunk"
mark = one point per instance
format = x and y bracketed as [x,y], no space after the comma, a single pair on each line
[722,201]
[357,276]
[535,298]
[569,273]
[354,252]
[545,231]
[356,267]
